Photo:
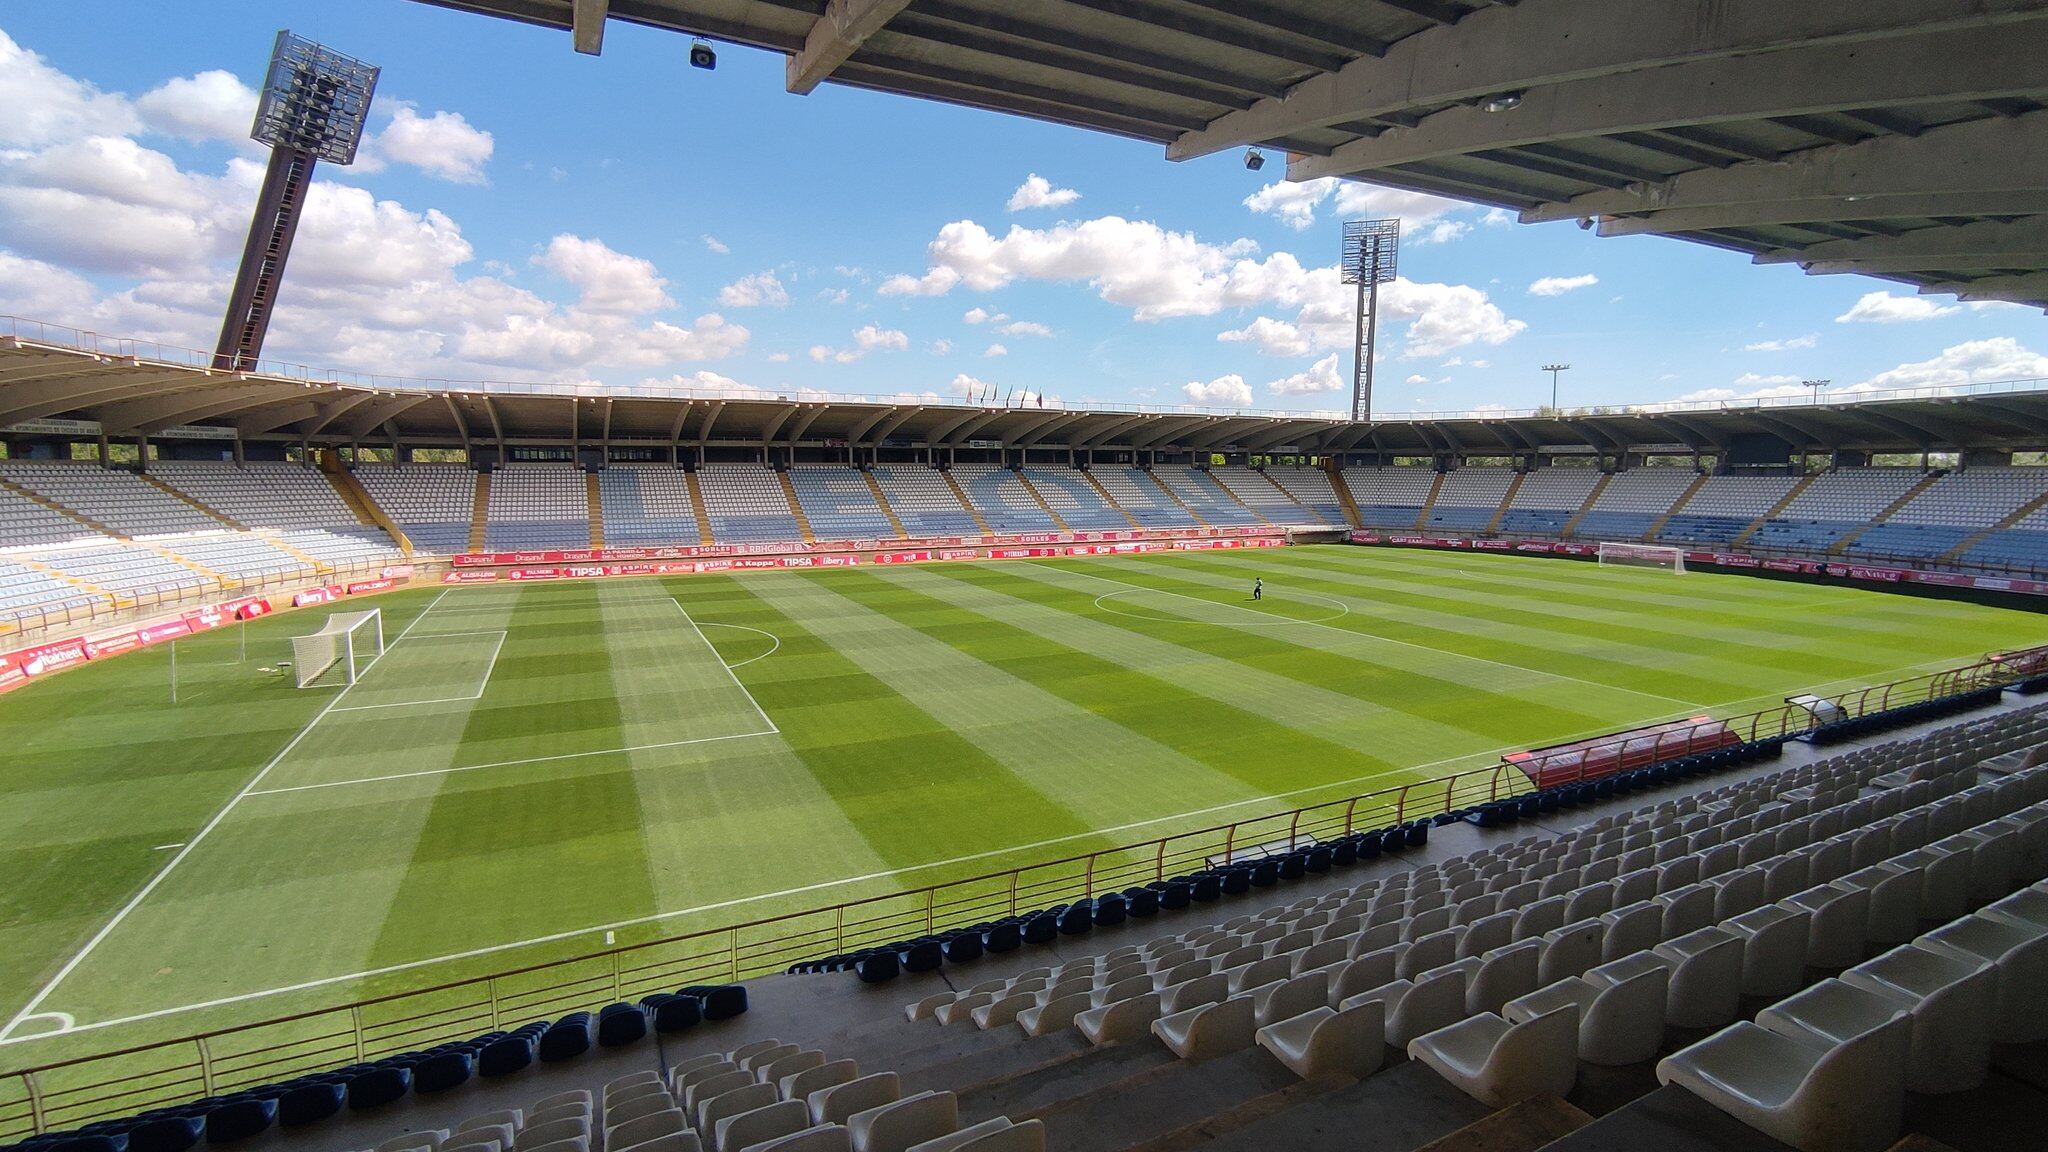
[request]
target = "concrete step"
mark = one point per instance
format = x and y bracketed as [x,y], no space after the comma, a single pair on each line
[1156,1101]
[1396,1109]
[1063,1079]
[1525,1127]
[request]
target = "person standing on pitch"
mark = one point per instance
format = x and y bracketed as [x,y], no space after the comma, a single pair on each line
[1258,588]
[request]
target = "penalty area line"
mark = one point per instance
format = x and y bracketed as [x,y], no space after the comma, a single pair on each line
[29,1010]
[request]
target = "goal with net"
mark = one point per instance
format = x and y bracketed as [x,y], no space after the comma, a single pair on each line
[339,651]
[1643,556]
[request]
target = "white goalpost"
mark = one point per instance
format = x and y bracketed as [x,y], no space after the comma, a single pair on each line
[347,642]
[1642,556]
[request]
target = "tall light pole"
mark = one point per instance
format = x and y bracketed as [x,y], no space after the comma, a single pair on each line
[312,108]
[1554,369]
[1371,250]
[1818,386]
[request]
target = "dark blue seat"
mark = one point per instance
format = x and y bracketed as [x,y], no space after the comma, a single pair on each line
[1040,929]
[962,948]
[1111,909]
[373,1089]
[1343,853]
[877,968]
[1206,889]
[238,1119]
[1236,881]
[1418,834]
[677,1013]
[719,1001]
[442,1071]
[504,1057]
[1176,895]
[923,956]
[1370,845]
[1003,937]
[305,1103]
[1294,864]
[1142,902]
[621,1024]
[171,1133]
[565,1039]
[1393,840]
[1076,920]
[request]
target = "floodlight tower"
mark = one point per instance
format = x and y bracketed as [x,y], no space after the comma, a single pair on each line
[313,106]
[1370,250]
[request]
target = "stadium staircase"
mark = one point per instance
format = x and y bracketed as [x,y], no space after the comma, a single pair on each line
[595,499]
[1750,889]
[480,512]
[1291,497]
[1691,490]
[1973,539]
[366,510]
[1107,498]
[1436,488]
[1507,498]
[37,497]
[1741,538]
[960,494]
[1057,521]
[704,536]
[205,510]
[1345,499]
[796,507]
[882,502]
[1175,497]
[1905,498]
[113,598]
[1250,511]
[1592,498]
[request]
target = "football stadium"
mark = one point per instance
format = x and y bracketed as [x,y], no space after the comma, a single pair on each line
[567,764]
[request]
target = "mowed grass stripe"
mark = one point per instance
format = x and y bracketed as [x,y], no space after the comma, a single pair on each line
[274,891]
[500,857]
[1766,603]
[1379,715]
[1577,653]
[749,798]
[1226,736]
[918,790]
[1771,620]
[1530,630]
[1473,663]
[1015,716]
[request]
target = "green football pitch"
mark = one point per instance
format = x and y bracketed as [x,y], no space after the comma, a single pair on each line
[530,770]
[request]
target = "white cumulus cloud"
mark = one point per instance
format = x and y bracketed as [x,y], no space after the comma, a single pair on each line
[1320,377]
[762,289]
[213,105]
[1559,285]
[1787,345]
[1038,192]
[444,144]
[1884,308]
[1223,392]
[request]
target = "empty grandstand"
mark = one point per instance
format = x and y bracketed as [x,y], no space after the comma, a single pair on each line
[537,506]
[1469,498]
[838,504]
[1070,495]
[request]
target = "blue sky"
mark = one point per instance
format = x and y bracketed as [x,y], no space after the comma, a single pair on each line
[522,212]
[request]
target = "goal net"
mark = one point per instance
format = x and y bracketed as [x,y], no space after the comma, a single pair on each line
[343,646]
[1643,556]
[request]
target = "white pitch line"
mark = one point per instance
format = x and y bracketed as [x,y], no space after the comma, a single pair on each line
[1385,639]
[508,763]
[476,695]
[706,640]
[773,648]
[657,917]
[72,964]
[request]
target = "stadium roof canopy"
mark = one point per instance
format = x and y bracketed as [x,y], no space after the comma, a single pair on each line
[1903,139]
[64,383]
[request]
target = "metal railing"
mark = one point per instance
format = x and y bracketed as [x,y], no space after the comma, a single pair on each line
[118,347]
[64,1093]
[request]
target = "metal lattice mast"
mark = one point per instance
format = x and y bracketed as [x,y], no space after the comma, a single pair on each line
[1371,250]
[313,106]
